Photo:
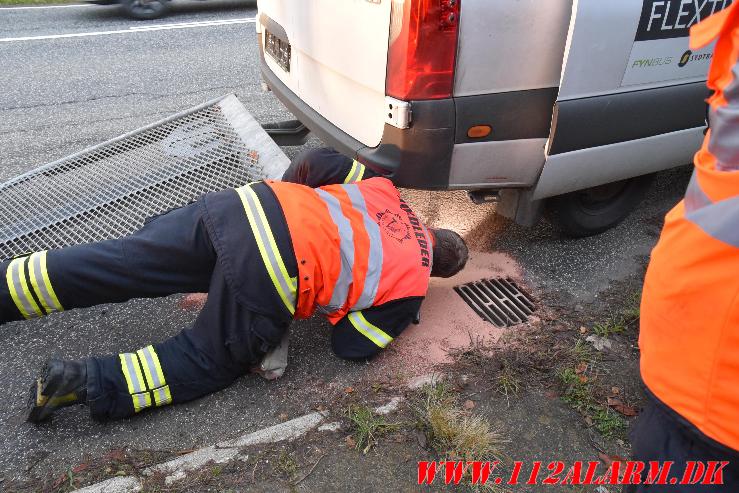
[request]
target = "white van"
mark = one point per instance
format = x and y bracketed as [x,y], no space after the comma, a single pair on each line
[557,105]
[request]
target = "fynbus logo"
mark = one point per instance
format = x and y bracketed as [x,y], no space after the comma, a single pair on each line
[663,19]
[684,59]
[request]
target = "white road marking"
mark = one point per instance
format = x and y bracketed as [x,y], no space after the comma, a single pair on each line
[33,7]
[134,29]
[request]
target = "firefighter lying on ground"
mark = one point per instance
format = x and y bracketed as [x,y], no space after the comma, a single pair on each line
[266,253]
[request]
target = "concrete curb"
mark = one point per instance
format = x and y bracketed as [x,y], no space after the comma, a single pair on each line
[230,450]
[127,484]
[226,451]
[176,469]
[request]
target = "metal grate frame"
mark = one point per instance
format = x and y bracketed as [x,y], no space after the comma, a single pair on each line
[108,191]
[498,301]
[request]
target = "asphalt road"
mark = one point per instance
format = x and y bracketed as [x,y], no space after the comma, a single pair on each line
[61,94]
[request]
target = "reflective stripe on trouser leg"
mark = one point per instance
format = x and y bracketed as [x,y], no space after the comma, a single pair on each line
[155,376]
[285,285]
[355,173]
[371,332]
[20,290]
[145,379]
[39,275]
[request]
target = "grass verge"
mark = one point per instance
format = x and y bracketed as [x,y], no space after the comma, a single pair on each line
[579,392]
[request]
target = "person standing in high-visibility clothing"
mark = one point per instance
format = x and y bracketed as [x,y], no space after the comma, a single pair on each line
[689,336]
[266,253]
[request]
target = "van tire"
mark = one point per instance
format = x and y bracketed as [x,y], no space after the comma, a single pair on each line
[145,9]
[594,210]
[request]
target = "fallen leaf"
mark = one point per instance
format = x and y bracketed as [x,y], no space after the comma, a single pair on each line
[620,407]
[468,404]
[589,420]
[80,468]
[283,416]
[349,390]
[581,367]
[350,442]
[582,378]
[615,390]
[583,330]
[320,408]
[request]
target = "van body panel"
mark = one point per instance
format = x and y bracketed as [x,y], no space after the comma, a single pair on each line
[510,45]
[585,168]
[338,59]
[517,164]
[630,45]
[511,115]
[631,98]
[620,117]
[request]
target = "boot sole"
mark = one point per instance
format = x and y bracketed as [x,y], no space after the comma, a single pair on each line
[42,401]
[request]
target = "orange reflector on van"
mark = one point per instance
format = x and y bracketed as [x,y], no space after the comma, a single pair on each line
[479,131]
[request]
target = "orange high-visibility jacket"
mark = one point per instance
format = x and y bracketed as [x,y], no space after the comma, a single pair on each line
[690,307]
[356,245]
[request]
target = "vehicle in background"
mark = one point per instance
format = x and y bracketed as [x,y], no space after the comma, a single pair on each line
[139,9]
[557,106]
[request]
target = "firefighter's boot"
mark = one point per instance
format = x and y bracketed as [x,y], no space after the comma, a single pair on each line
[61,384]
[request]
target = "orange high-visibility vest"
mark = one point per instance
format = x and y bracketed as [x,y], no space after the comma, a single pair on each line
[356,245]
[690,307]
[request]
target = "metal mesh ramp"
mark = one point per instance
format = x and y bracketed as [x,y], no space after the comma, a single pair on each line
[108,191]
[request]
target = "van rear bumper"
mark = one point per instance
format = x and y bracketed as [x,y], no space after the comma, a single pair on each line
[416,157]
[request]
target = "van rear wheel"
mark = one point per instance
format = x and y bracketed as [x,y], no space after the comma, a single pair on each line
[594,210]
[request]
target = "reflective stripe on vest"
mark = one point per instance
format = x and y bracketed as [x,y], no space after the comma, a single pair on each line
[356,173]
[285,285]
[724,141]
[719,220]
[374,264]
[371,332]
[695,197]
[346,245]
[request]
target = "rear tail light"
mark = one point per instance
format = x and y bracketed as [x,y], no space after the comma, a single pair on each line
[422,49]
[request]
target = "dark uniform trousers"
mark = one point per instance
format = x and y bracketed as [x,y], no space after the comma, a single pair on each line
[171,254]
[209,247]
[661,435]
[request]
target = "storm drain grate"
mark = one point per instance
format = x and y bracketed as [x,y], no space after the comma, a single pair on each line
[109,190]
[499,301]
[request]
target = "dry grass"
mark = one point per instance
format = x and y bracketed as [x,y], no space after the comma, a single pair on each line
[455,433]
